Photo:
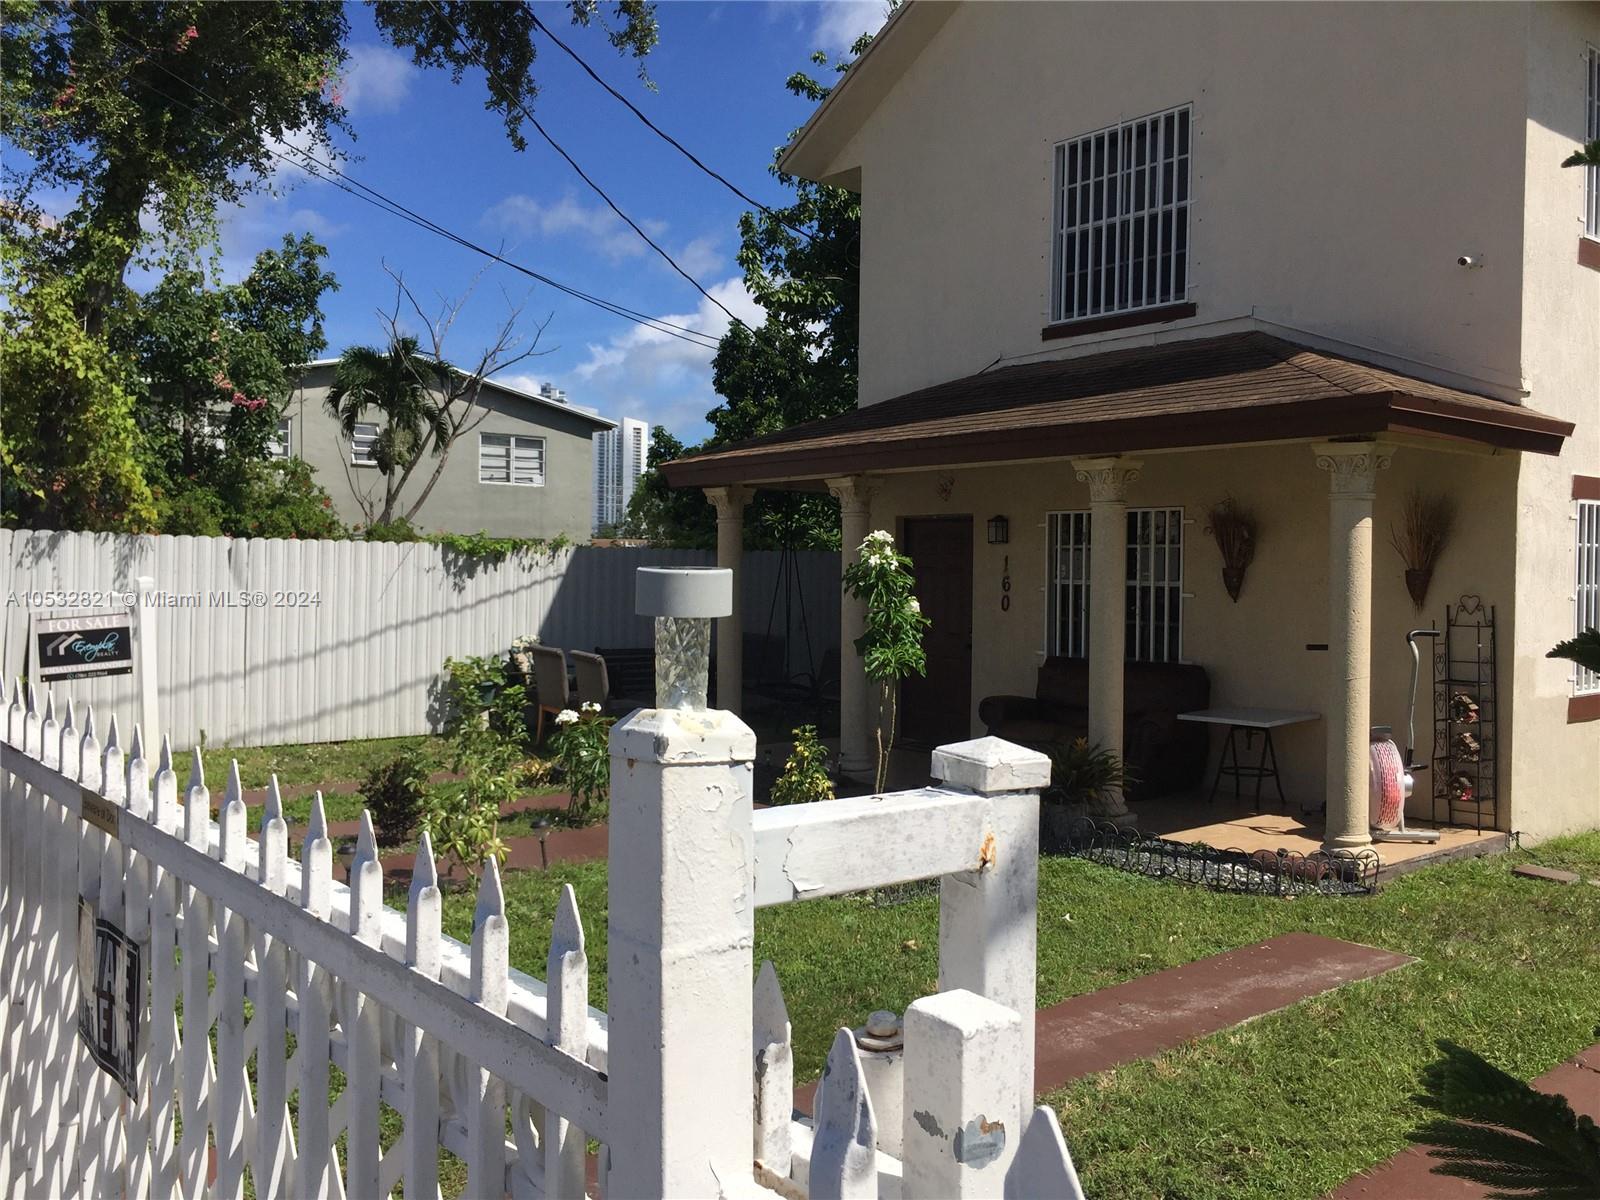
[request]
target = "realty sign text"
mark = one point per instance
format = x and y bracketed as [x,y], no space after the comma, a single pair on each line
[75,647]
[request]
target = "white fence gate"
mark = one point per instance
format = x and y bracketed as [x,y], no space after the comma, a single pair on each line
[188,1011]
[349,638]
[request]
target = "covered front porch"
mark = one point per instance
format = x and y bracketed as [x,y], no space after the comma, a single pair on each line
[1143,443]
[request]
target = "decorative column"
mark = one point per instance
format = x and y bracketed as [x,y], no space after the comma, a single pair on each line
[854,493]
[729,503]
[1108,480]
[1352,482]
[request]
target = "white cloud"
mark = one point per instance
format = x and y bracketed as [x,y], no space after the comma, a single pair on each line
[377,79]
[700,256]
[840,22]
[522,215]
[644,372]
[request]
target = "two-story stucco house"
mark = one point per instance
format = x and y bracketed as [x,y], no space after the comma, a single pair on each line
[525,470]
[1121,261]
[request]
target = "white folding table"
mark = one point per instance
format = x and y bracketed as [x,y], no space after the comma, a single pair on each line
[1250,721]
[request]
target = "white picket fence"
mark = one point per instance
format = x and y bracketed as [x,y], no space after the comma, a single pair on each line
[351,637]
[440,1046]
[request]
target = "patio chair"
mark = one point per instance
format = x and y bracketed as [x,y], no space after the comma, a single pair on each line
[550,681]
[594,684]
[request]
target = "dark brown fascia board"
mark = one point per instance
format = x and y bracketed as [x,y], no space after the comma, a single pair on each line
[1586,487]
[1367,414]
[1129,320]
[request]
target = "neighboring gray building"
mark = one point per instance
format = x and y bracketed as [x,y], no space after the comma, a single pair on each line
[527,470]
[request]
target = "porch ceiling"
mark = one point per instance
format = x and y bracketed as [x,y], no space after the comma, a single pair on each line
[1237,388]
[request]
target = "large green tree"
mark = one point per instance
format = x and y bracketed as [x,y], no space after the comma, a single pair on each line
[143,118]
[802,263]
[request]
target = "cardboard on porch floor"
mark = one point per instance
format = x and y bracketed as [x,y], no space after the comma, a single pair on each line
[1410,1173]
[1227,825]
[1143,1017]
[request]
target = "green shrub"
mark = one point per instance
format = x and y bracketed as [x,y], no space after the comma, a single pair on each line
[394,793]
[480,685]
[463,819]
[582,746]
[805,773]
[1081,773]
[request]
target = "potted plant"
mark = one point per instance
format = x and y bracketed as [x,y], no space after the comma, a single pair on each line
[1082,776]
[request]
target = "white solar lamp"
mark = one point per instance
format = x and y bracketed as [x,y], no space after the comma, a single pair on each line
[684,601]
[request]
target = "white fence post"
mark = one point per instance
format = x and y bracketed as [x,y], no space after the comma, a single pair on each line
[988,918]
[774,1074]
[681,934]
[962,1116]
[844,1152]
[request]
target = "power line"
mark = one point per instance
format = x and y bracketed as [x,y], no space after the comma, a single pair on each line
[573,163]
[387,204]
[664,135]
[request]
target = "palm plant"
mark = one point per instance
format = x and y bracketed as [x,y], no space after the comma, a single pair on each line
[404,386]
[1588,155]
[1496,1130]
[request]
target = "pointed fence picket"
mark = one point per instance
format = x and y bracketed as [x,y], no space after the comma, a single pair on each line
[263,979]
[244,947]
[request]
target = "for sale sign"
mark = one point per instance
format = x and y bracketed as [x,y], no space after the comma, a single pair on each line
[76,647]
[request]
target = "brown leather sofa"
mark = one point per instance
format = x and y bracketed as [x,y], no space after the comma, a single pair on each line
[1164,754]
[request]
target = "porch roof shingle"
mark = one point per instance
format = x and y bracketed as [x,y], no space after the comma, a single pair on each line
[1232,389]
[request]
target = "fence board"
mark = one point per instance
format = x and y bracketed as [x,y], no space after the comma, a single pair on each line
[364,662]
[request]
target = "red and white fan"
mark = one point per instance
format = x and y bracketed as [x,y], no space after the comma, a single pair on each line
[1389,773]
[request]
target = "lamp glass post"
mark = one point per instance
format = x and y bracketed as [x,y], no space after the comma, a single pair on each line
[683,601]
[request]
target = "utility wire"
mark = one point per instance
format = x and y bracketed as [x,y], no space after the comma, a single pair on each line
[385,203]
[664,135]
[510,97]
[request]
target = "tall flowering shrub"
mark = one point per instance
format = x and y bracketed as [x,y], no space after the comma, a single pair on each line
[891,647]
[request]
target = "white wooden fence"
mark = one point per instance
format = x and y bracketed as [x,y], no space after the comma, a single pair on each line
[442,1046]
[350,638]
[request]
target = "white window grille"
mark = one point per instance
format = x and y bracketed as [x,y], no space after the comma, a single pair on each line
[1587,591]
[1591,211]
[362,444]
[278,446]
[510,458]
[1122,217]
[1154,605]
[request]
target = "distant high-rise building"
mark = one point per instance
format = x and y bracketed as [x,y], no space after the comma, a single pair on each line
[619,460]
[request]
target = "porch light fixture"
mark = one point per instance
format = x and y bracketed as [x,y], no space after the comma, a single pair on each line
[683,600]
[999,531]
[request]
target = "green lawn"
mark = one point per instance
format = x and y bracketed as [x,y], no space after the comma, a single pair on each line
[321,763]
[1288,1105]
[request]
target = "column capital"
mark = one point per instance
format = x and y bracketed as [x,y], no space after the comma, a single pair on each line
[1353,466]
[1108,477]
[854,492]
[729,500]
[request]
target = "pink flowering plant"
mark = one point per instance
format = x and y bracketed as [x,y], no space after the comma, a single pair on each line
[891,647]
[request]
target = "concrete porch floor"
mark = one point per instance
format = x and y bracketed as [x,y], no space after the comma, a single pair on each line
[1232,825]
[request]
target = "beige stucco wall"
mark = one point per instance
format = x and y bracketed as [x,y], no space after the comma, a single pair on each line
[1555,765]
[1345,156]
[459,503]
[1254,650]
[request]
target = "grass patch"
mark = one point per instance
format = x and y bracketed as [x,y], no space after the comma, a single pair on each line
[1288,1105]
[312,764]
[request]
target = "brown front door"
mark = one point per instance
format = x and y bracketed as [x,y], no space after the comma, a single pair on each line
[936,708]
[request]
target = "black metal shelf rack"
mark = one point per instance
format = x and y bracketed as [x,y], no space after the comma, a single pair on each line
[1466,737]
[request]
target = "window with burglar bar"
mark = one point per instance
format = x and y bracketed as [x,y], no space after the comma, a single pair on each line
[1122,217]
[1587,591]
[1154,584]
[278,445]
[1591,195]
[510,458]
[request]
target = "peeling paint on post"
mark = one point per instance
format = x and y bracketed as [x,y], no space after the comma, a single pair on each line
[962,1057]
[681,956]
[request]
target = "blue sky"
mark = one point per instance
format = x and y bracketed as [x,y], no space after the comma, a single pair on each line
[430,144]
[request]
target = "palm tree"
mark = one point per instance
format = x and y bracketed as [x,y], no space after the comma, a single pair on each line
[1583,650]
[404,386]
[1587,156]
